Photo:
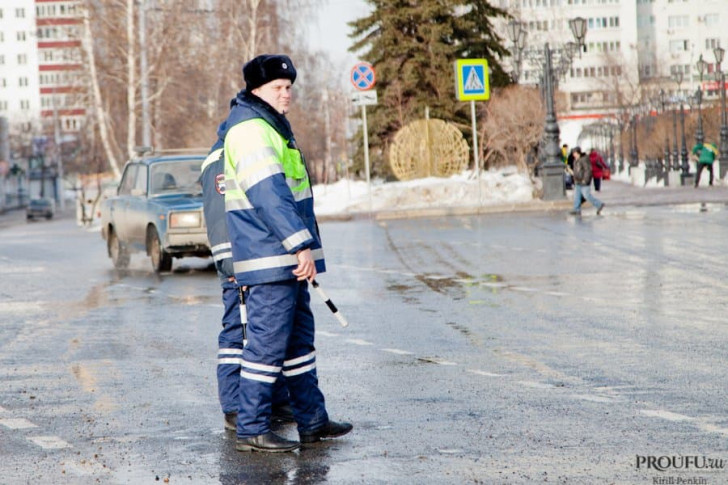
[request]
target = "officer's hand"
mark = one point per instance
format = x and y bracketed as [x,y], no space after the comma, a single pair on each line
[306,269]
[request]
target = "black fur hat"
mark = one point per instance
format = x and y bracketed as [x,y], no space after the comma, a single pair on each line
[266,68]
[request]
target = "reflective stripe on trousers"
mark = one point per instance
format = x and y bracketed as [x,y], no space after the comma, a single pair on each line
[230,355]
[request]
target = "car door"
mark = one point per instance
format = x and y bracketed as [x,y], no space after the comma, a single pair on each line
[119,205]
[137,214]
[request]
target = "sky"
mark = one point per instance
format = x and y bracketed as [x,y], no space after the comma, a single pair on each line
[330,33]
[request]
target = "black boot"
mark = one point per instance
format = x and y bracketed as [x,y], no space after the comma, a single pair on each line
[282,414]
[329,430]
[231,421]
[268,443]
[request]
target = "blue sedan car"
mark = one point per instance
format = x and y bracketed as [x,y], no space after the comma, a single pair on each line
[157,210]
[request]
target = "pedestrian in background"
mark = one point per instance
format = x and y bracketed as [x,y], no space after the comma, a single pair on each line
[276,249]
[598,167]
[705,154]
[582,183]
[232,336]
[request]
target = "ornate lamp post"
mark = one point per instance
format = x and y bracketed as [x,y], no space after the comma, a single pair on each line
[553,168]
[666,163]
[699,135]
[719,53]
[634,152]
[677,77]
[517,34]
[611,149]
[620,123]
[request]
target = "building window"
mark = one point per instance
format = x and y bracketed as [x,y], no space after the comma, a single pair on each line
[23,81]
[678,45]
[712,20]
[21,36]
[678,21]
[22,59]
[711,44]
[24,104]
[20,13]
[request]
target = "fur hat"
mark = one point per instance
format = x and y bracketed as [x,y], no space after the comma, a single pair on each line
[266,68]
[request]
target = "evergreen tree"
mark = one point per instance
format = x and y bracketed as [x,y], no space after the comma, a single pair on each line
[412,45]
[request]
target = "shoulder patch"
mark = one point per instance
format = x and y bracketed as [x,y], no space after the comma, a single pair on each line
[220,183]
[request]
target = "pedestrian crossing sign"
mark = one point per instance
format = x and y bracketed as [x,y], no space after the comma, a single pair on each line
[471,80]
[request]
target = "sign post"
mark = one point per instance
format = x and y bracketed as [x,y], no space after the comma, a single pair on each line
[472,84]
[363,78]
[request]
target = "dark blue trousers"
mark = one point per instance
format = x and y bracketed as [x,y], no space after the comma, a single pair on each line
[280,342]
[230,353]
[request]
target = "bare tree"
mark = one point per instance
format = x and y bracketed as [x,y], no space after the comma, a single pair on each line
[512,127]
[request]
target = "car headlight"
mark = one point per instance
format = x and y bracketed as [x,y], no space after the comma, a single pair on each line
[185,219]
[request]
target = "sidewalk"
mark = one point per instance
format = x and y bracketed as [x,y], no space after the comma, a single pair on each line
[614,193]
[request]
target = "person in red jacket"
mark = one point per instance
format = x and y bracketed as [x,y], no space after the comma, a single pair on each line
[598,167]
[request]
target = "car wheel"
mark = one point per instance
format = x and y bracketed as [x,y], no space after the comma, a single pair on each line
[119,255]
[161,260]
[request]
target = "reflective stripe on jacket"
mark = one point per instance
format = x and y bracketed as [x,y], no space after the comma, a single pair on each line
[269,203]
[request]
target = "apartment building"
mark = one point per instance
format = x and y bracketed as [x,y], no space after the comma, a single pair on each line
[633,48]
[41,65]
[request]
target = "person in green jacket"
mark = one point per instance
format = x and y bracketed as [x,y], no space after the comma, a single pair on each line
[705,154]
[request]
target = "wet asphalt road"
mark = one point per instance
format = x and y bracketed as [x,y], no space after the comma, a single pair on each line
[511,348]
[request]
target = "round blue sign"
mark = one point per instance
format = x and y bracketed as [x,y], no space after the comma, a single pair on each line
[362,76]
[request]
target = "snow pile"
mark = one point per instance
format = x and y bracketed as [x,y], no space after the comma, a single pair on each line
[503,186]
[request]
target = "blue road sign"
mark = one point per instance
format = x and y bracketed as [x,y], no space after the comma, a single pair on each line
[471,79]
[362,76]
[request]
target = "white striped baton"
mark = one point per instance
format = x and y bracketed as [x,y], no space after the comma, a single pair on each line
[330,304]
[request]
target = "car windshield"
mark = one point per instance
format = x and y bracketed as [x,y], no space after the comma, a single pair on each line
[175,177]
[40,203]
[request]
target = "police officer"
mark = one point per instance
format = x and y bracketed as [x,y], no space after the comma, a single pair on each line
[276,252]
[231,338]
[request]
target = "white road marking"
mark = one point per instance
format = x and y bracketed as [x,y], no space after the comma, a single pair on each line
[589,397]
[435,360]
[524,288]
[398,352]
[358,341]
[17,423]
[451,451]
[668,415]
[326,334]
[536,385]
[703,424]
[49,442]
[483,373]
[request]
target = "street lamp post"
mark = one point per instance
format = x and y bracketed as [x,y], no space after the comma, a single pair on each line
[677,77]
[685,175]
[634,152]
[719,53]
[517,34]
[553,168]
[611,149]
[666,164]
[699,135]
[684,166]
[620,122]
